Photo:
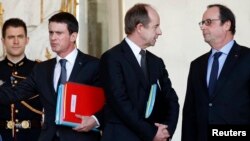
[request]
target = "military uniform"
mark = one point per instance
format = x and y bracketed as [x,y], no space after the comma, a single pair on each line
[19,121]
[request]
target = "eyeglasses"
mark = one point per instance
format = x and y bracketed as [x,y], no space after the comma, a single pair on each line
[207,22]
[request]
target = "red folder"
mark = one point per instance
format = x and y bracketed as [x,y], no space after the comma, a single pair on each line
[75,98]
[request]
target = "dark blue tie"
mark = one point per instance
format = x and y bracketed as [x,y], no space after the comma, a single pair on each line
[144,63]
[63,75]
[214,73]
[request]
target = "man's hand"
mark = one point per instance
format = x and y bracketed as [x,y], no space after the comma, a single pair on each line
[162,132]
[87,124]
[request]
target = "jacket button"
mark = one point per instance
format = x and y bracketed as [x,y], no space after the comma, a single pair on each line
[210,104]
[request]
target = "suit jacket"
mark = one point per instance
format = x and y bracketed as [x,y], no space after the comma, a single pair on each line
[228,105]
[85,70]
[127,92]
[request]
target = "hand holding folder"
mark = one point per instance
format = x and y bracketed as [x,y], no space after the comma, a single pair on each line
[88,123]
[77,99]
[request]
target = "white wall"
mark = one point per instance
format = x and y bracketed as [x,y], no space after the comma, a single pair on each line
[182,41]
[29,12]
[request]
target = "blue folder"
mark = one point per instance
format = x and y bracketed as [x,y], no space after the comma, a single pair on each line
[151,100]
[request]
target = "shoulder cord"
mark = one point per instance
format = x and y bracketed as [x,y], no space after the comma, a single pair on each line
[25,103]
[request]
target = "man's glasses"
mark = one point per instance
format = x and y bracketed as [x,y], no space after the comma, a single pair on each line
[207,22]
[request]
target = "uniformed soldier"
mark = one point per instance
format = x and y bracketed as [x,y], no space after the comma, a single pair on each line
[19,121]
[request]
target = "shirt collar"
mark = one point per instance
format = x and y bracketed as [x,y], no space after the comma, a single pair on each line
[136,49]
[20,63]
[225,49]
[71,57]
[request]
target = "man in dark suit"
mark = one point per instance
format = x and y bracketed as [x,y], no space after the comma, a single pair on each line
[13,69]
[128,76]
[80,68]
[221,98]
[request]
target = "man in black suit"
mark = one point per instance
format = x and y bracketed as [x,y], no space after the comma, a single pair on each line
[127,81]
[14,68]
[80,68]
[224,100]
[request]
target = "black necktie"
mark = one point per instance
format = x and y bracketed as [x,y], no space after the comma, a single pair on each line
[144,63]
[214,73]
[63,76]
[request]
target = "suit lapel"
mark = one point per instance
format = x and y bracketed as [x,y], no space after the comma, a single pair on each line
[51,68]
[130,57]
[152,67]
[227,68]
[202,74]
[77,66]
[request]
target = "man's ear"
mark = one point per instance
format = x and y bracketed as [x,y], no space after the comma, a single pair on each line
[139,27]
[73,36]
[227,25]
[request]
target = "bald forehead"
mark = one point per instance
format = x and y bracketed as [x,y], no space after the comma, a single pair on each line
[150,9]
[152,12]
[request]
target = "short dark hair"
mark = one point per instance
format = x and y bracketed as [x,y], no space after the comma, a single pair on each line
[13,22]
[67,18]
[135,15]
[225,15]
